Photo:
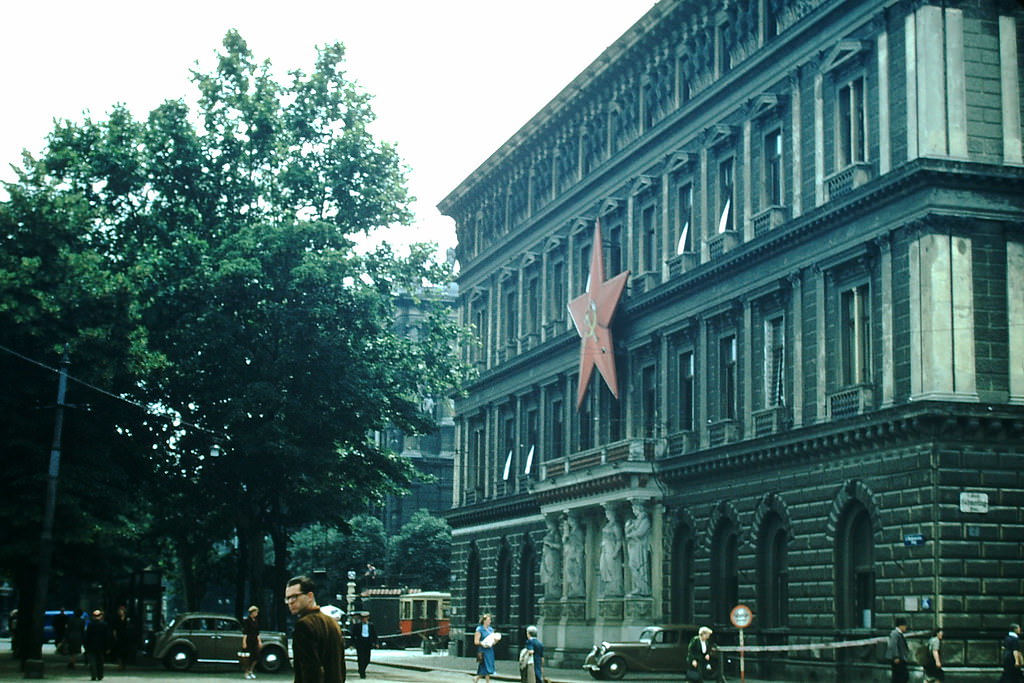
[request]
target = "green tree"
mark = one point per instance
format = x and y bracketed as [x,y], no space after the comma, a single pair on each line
[420,554]
[232,243]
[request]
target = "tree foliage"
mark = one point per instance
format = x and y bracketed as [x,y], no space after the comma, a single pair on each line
[203,264]
[420,555]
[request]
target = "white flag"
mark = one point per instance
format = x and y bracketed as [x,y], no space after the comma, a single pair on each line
[724,220]
[508,466]
[681,247]
[529,461]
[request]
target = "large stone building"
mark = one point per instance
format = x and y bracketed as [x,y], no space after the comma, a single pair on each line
[819,353]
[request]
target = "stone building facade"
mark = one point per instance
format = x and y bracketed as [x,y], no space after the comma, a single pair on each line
[819,352]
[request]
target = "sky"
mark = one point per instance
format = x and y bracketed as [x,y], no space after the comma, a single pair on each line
[452,80]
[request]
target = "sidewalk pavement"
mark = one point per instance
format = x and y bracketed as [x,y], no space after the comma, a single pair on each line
[505,670]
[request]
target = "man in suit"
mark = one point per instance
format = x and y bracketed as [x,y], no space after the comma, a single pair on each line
[318,644]
[364,638]
[97,641]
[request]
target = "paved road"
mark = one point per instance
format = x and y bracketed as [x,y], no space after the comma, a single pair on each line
[387,666]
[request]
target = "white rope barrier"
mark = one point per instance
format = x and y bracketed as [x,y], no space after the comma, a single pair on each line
[835,645]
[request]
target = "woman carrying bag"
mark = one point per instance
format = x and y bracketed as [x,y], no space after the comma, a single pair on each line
[698,656]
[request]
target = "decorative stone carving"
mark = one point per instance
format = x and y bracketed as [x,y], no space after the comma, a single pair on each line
[611,554]
[638,544]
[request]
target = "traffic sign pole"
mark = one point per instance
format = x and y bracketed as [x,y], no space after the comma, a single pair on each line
[741,616]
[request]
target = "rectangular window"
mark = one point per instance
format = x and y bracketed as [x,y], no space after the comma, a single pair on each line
[613,252]
[557,429]
[685,398]
[559,298]
[774,362]
[851,142]
[725,205]
[649,401]
[480,322]
[773,168]
[531,316]
[649,236]
[511,314]
[855,336]
[585,423]
[583,269]
[684,218]
[727,377]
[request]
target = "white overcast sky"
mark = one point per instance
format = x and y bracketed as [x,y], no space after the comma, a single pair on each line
[452,79]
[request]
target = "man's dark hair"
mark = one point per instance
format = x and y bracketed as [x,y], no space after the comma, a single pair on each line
[305,584]
[901,621]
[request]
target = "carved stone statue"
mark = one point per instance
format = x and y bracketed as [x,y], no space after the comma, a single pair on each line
[551,561]
[611,554]
[638,547]
[572,553]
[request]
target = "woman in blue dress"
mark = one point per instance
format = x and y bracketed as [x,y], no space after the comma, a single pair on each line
[485,653]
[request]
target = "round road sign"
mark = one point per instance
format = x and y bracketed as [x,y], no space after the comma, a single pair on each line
[741,616]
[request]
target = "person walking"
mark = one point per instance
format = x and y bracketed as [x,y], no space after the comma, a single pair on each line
[318,645]
[933,672]
[898,653]
[698,656]
[364,637]
[1013,658]
[536,649]
[251,642]
[97,642]
[484,638]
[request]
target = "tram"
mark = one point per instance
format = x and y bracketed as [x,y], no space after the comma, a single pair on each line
[410,618]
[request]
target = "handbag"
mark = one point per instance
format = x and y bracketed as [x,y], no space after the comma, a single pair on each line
[692,675]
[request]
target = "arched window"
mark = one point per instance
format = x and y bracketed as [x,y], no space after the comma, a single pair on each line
[725,581]
[855,568]
[682,575]
[504,586]
[527,583]
[473,586]
[773,573]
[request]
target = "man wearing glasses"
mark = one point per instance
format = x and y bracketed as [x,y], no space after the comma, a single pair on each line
[318,645]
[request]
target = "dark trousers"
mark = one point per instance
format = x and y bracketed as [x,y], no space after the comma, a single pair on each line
[95,665]
[363,659]
[900,672]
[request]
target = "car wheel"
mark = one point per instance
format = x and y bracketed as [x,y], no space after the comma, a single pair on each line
[272,660]
[614,668]
[180,658]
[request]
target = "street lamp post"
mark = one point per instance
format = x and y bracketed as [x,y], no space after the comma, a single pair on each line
[35,654]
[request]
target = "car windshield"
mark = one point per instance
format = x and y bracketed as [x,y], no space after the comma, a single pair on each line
[648,635]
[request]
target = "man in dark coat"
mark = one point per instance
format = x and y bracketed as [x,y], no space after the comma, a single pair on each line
[318,644]
[898,653]
[364,638]
[97,642]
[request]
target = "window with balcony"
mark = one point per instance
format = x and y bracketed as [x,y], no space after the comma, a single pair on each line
[727,377]
[558,295]
[725,204]
[557,424]
[774,362]
[648,239]
[648,401]
[684,393]
[773,168]
[855,336]
[684,217]
[851,124]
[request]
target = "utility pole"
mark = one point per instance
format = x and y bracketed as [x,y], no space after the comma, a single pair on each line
[46,538]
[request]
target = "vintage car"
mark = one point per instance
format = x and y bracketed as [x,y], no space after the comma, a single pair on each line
[659,649]
[207,637]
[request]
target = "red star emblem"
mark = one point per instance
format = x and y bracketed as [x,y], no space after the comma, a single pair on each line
[592,312]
